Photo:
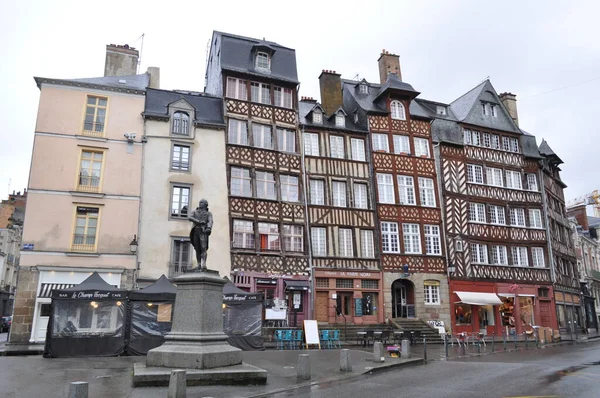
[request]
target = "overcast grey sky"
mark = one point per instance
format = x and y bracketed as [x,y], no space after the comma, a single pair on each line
[532,48]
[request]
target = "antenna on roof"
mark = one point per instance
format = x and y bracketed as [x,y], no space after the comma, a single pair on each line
[141,53]
[356,77]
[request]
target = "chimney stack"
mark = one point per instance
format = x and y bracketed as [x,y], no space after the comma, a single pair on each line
[121,60]
[154,73]
[331,90]
[580,214]
[388,63]
[510,103]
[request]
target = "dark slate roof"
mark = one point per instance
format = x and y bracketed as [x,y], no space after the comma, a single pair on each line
[306,108]
[93,282]
[132,83]
[467,109]
[237,55]
[161,289]
[208,109]
[393,82]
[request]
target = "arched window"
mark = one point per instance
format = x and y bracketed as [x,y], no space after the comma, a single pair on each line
[181,122]
[398,110]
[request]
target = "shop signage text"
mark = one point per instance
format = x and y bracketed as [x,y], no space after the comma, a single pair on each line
[352,274]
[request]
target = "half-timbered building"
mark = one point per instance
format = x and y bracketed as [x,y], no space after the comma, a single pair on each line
[267,214]
[341,210]
[496,232]
[567,290]
[408,212]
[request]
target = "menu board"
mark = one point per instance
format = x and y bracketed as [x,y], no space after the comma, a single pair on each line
[358,308]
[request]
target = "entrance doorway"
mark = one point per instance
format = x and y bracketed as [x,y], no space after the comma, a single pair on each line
[343,304]
[321,304]
[403,299]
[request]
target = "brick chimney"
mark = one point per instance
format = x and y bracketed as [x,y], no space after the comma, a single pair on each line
[388,63]
[580,214]
[510,103]
[331,90]
[120,60]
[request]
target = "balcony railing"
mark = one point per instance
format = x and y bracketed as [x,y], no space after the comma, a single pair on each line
[178,268]
[595,274]
[93,129]
[84,243]
[88,183]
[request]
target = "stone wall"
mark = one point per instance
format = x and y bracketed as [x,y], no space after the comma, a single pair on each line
[439,312]
[127,279]
[27,283]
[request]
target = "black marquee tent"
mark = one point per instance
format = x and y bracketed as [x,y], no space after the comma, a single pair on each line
[242,317]
[150,313]
[87,320]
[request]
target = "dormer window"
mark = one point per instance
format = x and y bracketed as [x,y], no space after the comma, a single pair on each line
[397,109]
[441,110]
[340,121]
[317,117]
[363,88]
[181,122]
[494,110]
[263,61]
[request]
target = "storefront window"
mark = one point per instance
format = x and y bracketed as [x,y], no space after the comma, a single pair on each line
[526,313]
[562,319]
[486,316]
[462,314]
[296,300]
[370,303]
[507,310]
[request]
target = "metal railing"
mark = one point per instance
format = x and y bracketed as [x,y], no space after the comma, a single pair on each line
[88,183]
[178,268]
[93,129]
[84,243]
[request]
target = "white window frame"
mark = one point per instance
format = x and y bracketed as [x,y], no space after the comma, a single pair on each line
[237,89]
[282,97]
[273,238]
[293,238]
[311,144]
[422,147]
[286,140]
[495,141]
[357,146]
[345,244]
[474,171]
[476,138]
[181,197]
[363,88]
[427,192]
[411,234]
[535,218]
[499,255]
[494,176]
[517,217]
[505,144]
[237,132]
[318,237]
[433,244]
[431,294]
[397,110]
[265,185]
[497,215]
[479,253]
[532,184]
[401,144]
[367,245]
[519,256]
[262,136]
[245,181]
[243,237]
[336,147]
[513,179]
[385,188]
[361,195]
[262,91]
[514,145]
[486,140]
[390,240]
[338,194]
[477,213]
[537,256]
[289,186]
[317,191]
[406,190]
[317,117]
[380,142]
[258,64]
[340,120]
[180,160]
[467,138]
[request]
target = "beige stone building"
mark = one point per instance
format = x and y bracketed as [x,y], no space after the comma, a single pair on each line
[84,187]
[183,162]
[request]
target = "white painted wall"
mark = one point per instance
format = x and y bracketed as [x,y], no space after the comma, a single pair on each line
[208,177]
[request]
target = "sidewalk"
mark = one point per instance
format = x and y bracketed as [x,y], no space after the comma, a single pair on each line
[112,377]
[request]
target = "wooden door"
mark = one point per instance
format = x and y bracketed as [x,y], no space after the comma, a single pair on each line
[321,311]
[545,317]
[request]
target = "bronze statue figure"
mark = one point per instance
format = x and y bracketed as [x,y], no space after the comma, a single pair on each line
[203,222]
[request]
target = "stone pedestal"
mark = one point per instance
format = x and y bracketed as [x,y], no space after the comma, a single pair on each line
[196,341]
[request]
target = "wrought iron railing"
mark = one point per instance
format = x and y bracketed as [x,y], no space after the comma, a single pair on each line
[93,129]
[84,243]
[88,183]
[595,274]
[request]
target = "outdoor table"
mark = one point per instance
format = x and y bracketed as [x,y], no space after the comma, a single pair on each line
[362,335]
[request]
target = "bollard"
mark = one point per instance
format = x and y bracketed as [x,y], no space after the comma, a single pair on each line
[537,339]
[345,361]
[446,344]
[478,347]
[303,369]
[515,339]
[424,348]
[504,341]
[177,384]
[405,349]
[526,341]
[576,332]
[493,342]
[464,348]
[78,389]
[378,355]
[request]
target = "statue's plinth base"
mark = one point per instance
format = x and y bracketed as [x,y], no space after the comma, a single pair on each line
[196,342]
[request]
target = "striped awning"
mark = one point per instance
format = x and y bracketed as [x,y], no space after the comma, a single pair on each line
[47,288]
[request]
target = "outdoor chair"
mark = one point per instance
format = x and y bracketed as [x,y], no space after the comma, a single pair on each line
[279,339]
[370,336]
[361,337]
[334,338]
[297,339]
[325,339]
[385,336]
[288,338]
[377,335]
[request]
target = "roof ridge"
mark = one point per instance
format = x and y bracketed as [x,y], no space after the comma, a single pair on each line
[473,89]
[248,38]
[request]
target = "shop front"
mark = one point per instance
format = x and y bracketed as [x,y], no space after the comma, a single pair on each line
[286,297]
[569,312]
[348,297]
[500,308]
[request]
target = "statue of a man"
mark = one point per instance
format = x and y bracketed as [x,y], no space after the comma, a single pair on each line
[203,222]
